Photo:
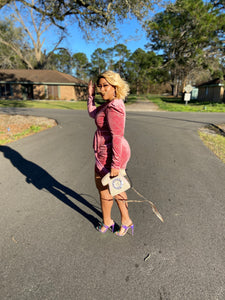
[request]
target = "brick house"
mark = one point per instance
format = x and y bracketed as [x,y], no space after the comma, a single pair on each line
[40,84]
[212,91]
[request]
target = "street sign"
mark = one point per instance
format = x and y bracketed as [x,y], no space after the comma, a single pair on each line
[188,88]
[187,97]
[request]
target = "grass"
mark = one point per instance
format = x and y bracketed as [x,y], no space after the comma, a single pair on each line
[177,104]
[163,102]
[13,137]
[216,143]
[57,104]
[44,104]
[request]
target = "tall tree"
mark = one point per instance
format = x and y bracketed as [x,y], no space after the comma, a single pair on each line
[61,61]
[80,64]
[219,8]
[115,57]
[33,27]
[14,47]
[143,69]
[108,57]
[89,15]
[112,58]
[98,64]
[185,32]
[121,54]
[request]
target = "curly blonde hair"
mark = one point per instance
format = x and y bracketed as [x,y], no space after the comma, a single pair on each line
[121,86]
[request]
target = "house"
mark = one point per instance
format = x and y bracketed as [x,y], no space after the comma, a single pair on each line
[40,84]
[212,91]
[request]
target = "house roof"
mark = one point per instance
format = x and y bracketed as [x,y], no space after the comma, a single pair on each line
[214,82]
[38,76]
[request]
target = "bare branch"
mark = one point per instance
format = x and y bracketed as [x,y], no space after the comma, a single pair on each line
[18,52]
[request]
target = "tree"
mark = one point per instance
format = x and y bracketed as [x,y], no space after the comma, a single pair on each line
[134,69]
[98,64]
[218,4]
[115,57]
[121,54]
[8,59]
[112,58]
[32,27]
[186,32]
[61,61]
[89,15]
[143,69]
[80,64]
[108,57]
[219,8]
[14,48]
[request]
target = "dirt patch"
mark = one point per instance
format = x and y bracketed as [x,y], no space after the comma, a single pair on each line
[13,127]
[214,129]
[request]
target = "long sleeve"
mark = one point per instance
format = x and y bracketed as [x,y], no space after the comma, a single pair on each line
[116,123]
[92,109]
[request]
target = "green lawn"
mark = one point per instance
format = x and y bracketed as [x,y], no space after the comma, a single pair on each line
[177,104]
[164,103]
[44,104]
[216,143]
[57,104]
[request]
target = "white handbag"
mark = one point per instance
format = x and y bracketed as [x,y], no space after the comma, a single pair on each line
[116,184]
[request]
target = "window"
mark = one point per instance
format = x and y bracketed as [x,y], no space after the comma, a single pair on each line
[5,90]
[52,92]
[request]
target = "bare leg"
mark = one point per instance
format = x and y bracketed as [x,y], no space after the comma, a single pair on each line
[106,205]
[123,207]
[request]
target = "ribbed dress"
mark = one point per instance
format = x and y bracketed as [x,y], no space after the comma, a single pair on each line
[110,147]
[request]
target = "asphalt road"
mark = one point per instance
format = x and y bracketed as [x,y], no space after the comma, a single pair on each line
[49,248]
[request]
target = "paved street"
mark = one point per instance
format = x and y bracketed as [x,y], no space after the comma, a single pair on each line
[49,206]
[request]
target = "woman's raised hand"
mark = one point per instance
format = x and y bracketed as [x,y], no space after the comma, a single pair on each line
[91,88]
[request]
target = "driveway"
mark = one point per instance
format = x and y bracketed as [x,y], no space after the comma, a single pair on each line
[142,105]
[49,207]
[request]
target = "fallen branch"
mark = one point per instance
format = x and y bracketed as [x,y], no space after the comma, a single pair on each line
[154,209]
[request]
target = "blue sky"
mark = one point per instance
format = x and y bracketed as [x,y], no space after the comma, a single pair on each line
[132,36]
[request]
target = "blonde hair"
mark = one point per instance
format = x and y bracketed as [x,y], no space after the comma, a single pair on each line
[114,79]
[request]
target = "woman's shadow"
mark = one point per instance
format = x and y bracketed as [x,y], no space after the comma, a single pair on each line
[43,180]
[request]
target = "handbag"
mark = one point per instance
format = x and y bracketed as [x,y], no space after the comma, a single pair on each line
[120,184]
[117,184]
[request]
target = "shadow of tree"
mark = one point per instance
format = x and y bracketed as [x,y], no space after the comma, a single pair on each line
[12,103]
[172,100]
[43,180]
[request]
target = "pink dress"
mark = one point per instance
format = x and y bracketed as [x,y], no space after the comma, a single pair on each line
[111,148]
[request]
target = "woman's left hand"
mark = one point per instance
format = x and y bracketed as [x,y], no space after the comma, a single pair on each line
[114,172]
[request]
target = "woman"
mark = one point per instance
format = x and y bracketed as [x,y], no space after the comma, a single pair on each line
[112,151]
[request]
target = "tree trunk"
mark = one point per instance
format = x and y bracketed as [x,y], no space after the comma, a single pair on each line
[137,88]
[174,89]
